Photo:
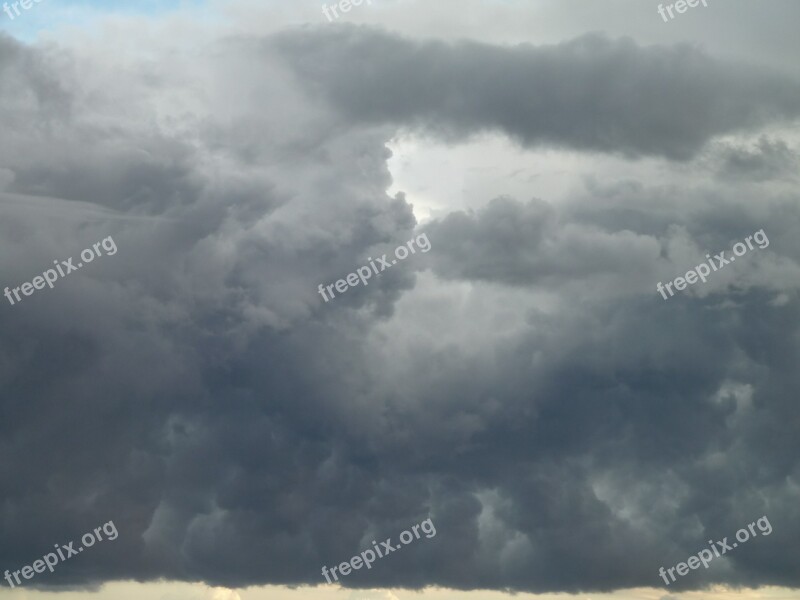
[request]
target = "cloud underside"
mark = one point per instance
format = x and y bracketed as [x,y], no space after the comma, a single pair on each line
[589,94]
[522,383]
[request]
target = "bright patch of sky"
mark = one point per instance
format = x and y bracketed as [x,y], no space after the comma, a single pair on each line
[47,15]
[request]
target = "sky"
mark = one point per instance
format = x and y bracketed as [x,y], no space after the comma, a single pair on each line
[582,374]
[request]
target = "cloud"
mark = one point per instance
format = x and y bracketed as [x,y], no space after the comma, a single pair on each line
[767,160]
[225,594]
[591,93]
[522,384]
[372,595]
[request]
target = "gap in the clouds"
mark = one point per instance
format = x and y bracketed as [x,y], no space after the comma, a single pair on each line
[440,177]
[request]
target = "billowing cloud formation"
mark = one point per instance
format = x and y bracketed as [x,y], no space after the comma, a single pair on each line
[563,426]
[767,160]
[591,93]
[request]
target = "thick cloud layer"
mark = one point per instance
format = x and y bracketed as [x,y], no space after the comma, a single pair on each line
[591,93]
[564,427]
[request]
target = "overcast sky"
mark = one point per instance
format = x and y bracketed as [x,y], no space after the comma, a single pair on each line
[522,384]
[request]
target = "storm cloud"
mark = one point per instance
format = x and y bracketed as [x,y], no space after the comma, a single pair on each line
[522,384]
[591,93]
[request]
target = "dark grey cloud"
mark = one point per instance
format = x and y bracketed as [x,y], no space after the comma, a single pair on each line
[614,239]
[591,93]
[766,160]
[195,389]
